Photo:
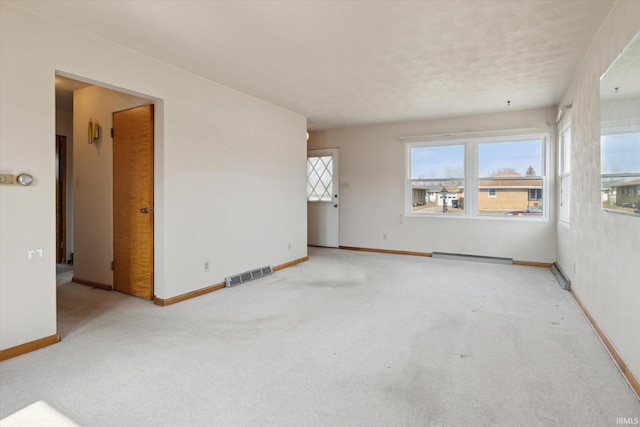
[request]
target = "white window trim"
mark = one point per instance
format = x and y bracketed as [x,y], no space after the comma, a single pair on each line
[564,175]
[495,192]
[471,178]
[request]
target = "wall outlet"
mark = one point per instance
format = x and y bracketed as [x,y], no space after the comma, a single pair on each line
[384,236]
[206,266]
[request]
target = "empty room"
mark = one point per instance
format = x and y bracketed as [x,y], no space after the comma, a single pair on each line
[291,213]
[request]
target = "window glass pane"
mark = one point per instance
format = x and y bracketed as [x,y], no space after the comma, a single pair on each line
[511,196]
[620,159]
[620,153]
[564,208]
[319,178]
[428,197]
[510,159]
[565,153]
[437,162]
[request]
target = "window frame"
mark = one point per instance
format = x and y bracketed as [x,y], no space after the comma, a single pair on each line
[610,129]
[564,173]
[328,190]
[471,177]
[495,192]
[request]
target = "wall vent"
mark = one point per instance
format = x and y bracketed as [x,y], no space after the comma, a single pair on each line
[464,257]
[561,277]
[247,276]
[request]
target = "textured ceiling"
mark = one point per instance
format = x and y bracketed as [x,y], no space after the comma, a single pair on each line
[344,63]
[623,74]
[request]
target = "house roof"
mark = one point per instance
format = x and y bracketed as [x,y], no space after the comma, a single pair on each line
[510,183]
[626,184]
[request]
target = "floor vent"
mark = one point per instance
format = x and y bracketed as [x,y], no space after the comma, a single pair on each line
[463,257]
[561,277]
[247,276]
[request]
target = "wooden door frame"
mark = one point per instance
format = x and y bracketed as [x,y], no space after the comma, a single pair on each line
[61,199]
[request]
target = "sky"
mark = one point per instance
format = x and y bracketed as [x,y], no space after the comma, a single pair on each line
[438,162]
[620,153]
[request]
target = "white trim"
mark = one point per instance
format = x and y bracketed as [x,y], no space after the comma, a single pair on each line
[471,133]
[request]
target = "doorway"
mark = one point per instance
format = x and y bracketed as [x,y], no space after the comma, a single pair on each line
[91,226]
[323,207]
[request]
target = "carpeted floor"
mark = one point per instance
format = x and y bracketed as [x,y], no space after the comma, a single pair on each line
[345,339]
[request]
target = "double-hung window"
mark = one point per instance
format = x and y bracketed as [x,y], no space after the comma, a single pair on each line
[497,178]
[436,179]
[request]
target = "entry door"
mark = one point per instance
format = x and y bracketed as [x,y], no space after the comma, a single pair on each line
[323,206]
[133,201]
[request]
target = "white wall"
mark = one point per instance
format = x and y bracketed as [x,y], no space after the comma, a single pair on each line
[93,181]
[372,162]
[600,250]
[230,170]
[64,126]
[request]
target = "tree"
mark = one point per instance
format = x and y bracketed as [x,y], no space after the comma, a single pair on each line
[530,171]
[504,171]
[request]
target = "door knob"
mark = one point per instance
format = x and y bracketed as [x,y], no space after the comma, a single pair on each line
[144,210]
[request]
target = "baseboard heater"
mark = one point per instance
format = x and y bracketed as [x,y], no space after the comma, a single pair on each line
[247,276]
[561,277]
[478,258]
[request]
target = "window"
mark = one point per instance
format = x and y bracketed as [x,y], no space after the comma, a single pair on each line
[620,162]
[513,170]
[499,178]
[564,181]
[320,179]
[436,179]
[535,194]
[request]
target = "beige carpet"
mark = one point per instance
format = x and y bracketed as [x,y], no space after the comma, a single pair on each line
[347,338]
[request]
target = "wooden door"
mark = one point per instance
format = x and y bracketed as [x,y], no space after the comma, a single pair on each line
[61,217]
[133,201]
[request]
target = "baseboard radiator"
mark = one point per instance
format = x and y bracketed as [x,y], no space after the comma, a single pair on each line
[479,258]
[247,276]
[561,277]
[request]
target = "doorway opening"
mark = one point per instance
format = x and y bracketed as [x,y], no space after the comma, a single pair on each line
[87,185]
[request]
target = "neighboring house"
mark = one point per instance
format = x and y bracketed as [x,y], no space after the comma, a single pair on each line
[453,193]
[419,195]
[508,194]
[429,194]
[627,194]
[608,195]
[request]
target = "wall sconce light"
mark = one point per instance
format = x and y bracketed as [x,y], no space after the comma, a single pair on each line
[94,132]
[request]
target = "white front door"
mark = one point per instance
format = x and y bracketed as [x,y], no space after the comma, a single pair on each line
[323,206]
